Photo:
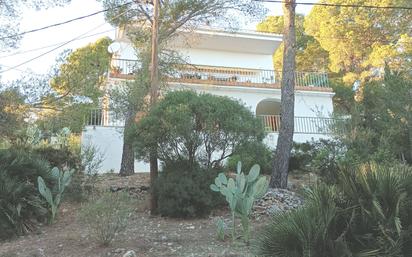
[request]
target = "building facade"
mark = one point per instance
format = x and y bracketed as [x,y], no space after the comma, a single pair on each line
[237,64]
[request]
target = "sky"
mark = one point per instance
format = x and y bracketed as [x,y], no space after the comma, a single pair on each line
[89,30]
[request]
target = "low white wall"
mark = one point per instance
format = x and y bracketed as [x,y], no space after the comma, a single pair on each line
[272,138]
[109,142]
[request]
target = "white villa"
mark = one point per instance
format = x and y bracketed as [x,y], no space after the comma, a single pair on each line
[234,64]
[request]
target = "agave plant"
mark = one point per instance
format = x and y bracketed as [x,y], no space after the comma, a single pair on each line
[241,194]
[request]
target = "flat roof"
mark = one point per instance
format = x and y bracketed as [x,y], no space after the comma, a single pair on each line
[223,39]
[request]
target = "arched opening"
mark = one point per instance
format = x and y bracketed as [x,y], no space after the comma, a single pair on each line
[268,110]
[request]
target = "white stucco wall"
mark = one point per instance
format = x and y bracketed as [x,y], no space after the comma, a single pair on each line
[109,142]
[307,103]
[227,59]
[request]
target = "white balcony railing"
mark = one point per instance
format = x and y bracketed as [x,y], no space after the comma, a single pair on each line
[271,123]
[230,76]
[303,125]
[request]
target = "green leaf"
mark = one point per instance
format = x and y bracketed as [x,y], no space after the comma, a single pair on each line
[239,167]
[218,183]
[222,178]
[55,173]
[214,188]
[231,185]
[242,182]
[261,187]
[254,173]
[45,191]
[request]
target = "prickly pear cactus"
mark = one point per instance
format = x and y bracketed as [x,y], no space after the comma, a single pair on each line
[63,179]
[241,193]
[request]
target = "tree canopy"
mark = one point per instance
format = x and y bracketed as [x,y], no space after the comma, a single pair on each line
[77,84]
[310,55]
[381,122]
[13,112]
[360,40]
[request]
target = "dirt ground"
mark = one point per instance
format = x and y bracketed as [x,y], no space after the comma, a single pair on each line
[146,235]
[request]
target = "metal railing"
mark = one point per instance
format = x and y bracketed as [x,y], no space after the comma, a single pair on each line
[104,118]
[231,76]
[271,123]
[303,125]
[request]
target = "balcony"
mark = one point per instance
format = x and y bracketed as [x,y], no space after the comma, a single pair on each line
[303,125]
[271,123]
[226,76]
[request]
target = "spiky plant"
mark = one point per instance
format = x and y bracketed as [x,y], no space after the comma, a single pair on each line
[368,213]
[20,204]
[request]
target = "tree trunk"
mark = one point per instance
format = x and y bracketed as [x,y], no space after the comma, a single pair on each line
[154,88]
[127,165]
[279,178]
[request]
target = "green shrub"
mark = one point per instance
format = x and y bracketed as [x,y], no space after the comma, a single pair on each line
[107,216]
[20,201]
[183,190]
[76,191]
[59,157]
[302,232]
[201,128]
[252,153]
[301,156]
[367,213]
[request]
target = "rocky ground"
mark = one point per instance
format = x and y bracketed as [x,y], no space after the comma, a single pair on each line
[276,200]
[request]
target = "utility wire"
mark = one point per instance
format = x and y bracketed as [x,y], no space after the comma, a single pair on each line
[63,22]
[59,46]
[48,46]
[343,5]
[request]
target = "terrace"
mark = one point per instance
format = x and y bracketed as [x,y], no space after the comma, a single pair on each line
[226,76]
[271,123]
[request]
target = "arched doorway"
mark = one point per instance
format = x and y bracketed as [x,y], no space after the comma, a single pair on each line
[268,110]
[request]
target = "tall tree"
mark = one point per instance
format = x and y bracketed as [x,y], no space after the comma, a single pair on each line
[279,176]
[10,12]
[174,15]
[310,56]
[13,112]
[154,88]
[76,85]
[360,39]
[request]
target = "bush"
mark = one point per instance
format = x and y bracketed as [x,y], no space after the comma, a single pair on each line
[183,190]
[201,128]
[107,216]
[301,156]
[366,214]
[252,153]
[20,201]
[59,157]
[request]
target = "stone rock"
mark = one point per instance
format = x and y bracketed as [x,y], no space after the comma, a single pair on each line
[130,253]
[276,200]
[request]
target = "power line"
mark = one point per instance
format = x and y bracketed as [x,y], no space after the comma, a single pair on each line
[343,5]
[48,46]
[59,46]
[63,22]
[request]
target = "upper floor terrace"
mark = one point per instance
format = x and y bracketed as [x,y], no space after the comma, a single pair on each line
[226,76]
[220,57]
